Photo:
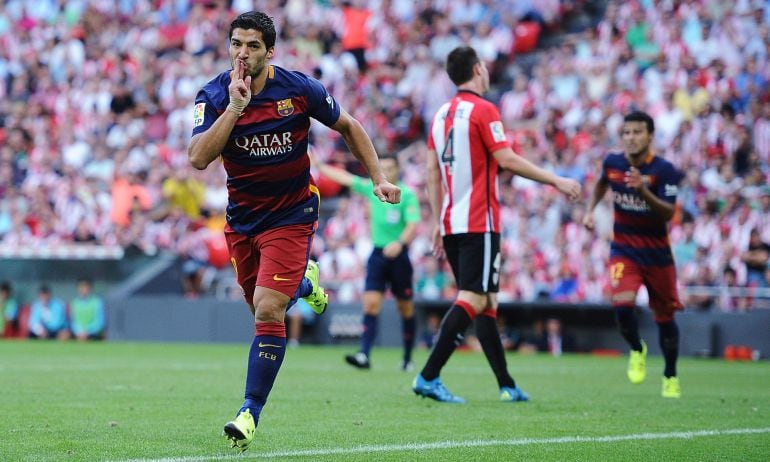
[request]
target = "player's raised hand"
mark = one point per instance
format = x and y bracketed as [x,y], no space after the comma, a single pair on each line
[634,178]
[388,192]
[569,188]
[239,89]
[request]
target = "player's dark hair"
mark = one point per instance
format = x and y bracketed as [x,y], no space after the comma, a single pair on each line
[459,64]
[639,116]
[258,21]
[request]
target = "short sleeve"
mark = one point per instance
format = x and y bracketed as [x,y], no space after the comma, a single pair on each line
[605,166]
[411,206]
[204,113]
[491,128]
[668,183]
[322,106]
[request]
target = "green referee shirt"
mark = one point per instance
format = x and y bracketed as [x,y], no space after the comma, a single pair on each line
[388,220]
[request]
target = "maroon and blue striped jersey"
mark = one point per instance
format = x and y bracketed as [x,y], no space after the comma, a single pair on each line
[639,233]
[268,170]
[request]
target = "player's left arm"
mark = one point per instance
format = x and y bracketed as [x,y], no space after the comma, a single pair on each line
[664,206]
[362,148]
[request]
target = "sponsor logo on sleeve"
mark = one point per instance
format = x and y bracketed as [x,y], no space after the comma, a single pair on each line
[670,190]
[498,133]
[200,109]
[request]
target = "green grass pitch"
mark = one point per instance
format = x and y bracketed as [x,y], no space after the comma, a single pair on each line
[152,402]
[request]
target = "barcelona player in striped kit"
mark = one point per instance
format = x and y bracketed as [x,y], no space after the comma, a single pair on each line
[257,118]
[467,146]
[644,188]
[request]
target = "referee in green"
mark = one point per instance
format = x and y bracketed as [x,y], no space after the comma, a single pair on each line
[393,228]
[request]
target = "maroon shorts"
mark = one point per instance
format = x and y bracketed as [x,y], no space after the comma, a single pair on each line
[626,276]
[275,259]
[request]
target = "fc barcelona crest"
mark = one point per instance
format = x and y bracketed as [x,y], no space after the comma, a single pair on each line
[285,107]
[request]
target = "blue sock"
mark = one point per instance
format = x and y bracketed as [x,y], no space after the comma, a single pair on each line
[305,288]
[408,328]
[370,333]
[265,358]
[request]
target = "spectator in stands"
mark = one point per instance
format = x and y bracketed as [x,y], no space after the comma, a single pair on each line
[553,340]
[87,316]
[566,288]
[184,192]
[432,282]
[9,310]
[756,258]
[428,335]
[532,338]
[729,300]
[699,289]
[48,317]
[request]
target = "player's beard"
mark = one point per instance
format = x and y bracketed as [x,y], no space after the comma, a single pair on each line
[258,68]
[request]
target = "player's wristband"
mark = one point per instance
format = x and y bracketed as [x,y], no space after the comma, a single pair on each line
[236,108]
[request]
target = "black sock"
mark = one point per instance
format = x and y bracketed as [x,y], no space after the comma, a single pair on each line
[628,326]
[408,328]
[450,334]
[669,345]
[489,337]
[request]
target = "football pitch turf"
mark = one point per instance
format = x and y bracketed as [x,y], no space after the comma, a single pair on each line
[168,402]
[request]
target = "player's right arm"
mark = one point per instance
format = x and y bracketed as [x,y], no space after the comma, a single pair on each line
[600,189]
[207,146]
[436,200]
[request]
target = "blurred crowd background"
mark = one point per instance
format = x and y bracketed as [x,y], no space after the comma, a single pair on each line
[96,106]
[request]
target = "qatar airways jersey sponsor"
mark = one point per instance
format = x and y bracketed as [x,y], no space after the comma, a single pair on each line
[464,134]
[638,232]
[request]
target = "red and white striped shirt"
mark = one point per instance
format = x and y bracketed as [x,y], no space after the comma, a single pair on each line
[464,134]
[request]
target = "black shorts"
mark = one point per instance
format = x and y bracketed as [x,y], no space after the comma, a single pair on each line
[475,260]
[397,272]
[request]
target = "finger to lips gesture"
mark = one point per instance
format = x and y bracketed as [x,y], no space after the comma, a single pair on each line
[240,87]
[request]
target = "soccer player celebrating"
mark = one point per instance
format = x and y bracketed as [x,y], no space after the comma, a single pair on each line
[467,146]
[257,117]
[393,227]
[644,188]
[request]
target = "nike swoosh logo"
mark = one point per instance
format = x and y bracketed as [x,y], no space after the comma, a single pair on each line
[279,278]
[268,345]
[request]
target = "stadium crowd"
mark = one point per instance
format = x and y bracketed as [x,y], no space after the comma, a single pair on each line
[96,104]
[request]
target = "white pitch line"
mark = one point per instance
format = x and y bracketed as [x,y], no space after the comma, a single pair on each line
[462,444]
